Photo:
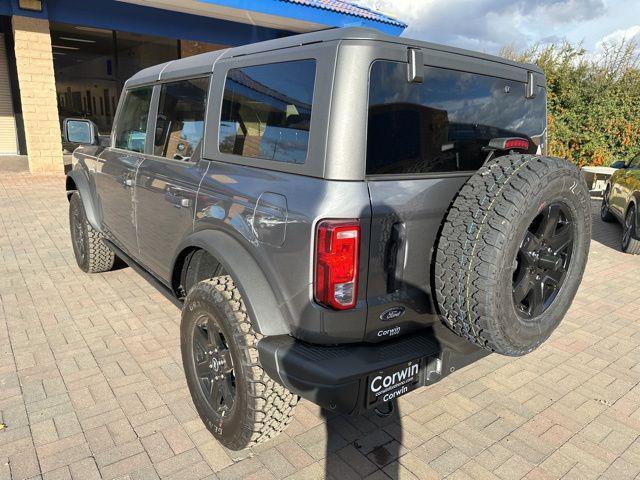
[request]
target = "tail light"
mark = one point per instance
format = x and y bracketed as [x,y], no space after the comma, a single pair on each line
[512,143]
[337,261]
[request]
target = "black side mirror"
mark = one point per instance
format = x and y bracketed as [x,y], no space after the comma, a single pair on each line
[80,130]
[619,164]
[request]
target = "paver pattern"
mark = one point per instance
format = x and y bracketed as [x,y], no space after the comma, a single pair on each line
[91,382]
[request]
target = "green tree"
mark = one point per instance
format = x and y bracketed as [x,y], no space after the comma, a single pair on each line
[592,100]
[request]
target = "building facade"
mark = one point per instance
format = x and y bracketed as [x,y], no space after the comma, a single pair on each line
[69,58]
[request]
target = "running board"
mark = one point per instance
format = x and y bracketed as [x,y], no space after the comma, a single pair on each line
[140,270]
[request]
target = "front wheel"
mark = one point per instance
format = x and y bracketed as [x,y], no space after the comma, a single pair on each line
[92,254]
[237,401]
[630,244]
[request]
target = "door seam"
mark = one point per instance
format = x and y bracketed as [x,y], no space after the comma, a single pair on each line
[195,204]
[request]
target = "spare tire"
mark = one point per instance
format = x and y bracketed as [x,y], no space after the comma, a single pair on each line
[512,251]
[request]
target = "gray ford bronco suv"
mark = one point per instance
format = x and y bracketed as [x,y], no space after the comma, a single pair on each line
[342,216]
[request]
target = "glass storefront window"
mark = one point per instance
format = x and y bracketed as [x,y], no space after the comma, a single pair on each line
[84,65]
[92,64]
[135,52]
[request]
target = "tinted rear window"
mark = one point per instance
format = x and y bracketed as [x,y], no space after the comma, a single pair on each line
[266,111]
[442,124]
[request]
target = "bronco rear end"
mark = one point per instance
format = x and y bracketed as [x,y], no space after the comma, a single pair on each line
[414,121]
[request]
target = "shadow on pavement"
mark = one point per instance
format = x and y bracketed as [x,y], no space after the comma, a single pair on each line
[358,446]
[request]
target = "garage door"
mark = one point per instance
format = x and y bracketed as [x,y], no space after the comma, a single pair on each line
[8,142]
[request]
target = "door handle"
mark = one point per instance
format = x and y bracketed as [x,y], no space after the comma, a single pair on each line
[180,198]
[129,182]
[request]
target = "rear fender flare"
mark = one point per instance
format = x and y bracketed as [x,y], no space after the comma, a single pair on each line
[79,178]
[259,298]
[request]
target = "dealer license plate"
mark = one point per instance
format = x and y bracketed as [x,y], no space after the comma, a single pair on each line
[392,382]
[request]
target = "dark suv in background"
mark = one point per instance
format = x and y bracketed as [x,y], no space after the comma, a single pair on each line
[621,202]
[341,215]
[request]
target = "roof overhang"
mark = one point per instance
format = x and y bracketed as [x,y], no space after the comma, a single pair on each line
[274,14]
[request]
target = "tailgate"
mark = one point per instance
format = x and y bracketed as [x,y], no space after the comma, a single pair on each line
[424,140]
[406,217]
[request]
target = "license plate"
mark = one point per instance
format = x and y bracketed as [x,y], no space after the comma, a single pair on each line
[390,383]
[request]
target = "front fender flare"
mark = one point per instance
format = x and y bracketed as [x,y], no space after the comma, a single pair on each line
[79,178]
[266,314]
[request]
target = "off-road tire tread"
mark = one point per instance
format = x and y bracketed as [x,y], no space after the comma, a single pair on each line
[270,405]
[100,258]
[475,230]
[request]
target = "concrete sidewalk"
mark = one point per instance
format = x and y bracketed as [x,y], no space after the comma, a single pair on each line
[91,382]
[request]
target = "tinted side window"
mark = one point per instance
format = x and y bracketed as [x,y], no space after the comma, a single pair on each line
[131,127]
[180,121]
[266,111]
[444,123]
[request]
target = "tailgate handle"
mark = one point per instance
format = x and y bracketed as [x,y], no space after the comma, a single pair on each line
[396,257]
[531,86]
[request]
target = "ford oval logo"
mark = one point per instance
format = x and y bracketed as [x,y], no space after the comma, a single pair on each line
[392,313]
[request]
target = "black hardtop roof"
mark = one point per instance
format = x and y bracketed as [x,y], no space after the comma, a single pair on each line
[203,63]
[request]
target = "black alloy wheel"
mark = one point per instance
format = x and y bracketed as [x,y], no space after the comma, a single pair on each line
[236,400]
[512,252]
[214,365]
[542,262]
[604,206]
[605,213]
[628,228]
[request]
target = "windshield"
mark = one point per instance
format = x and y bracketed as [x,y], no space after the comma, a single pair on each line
[445,123]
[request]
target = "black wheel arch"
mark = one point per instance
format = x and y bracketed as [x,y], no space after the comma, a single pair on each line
[77,181]
[267,313]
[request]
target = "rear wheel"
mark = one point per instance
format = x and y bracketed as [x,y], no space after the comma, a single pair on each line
[512,252]
[630,244]
[92,254]
[237,401]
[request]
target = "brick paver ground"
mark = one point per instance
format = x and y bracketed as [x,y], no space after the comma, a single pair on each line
[91,384]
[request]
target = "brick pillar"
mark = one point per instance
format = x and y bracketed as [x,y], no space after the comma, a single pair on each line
[34,62]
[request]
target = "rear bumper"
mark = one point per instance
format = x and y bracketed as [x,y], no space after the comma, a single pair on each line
[341,378]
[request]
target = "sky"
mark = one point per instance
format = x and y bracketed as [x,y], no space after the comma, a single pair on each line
[488,25]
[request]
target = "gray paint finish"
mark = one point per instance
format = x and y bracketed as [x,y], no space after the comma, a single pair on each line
[259,217]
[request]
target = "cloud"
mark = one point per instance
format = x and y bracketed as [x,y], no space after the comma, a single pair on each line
[623,34]
[489,24]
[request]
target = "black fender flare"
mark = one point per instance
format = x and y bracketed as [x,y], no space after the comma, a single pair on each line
[79,178]
[267,316]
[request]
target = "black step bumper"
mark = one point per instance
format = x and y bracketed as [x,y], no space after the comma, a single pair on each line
[339,378]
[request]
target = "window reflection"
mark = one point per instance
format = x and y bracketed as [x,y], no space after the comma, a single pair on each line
[131,130]
[266,111]
[444,123]
[180,122]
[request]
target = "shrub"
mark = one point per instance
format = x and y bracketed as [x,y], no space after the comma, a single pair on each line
[592,100]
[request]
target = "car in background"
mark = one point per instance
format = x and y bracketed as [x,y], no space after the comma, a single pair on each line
[621,202]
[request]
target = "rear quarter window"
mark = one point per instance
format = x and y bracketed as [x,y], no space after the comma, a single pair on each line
[266,111]
[444,123]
